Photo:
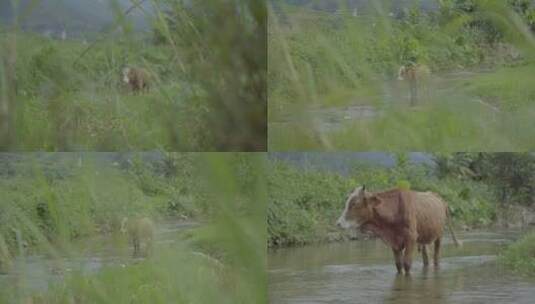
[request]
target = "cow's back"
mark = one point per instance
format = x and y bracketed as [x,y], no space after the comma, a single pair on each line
[430,213]
[140,228]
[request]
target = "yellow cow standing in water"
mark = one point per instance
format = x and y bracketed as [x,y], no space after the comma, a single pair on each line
[416,75]
[140,232]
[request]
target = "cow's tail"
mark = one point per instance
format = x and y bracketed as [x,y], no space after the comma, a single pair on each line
[455,241]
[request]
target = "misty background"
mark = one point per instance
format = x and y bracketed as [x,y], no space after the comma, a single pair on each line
[75,18]
[83,18]
[344,162]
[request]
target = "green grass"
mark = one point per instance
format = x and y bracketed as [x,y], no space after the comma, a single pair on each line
[178,273]
[508,88]
[67,95]
[520,256]
[447,126]
[66,107]
[305,203]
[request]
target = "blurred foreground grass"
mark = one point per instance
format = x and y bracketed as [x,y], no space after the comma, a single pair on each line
[49,207]
[207,62]
[441,127]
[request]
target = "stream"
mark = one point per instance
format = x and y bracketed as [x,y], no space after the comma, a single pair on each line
[364,272]
[394,94]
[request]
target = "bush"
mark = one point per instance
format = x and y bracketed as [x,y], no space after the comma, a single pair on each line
[520,256]
[302,205]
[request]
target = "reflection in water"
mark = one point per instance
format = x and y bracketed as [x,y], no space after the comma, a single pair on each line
[429,287]
[363,272]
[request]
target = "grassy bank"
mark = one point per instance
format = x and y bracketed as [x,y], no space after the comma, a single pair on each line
[452,125]
[305,203]
[48,208]
[520,256]
[508,88]
[320,59]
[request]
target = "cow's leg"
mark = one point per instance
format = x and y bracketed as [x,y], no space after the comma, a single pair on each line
[136,247]
[437,251]
[149,246]
[397,258]
[407,255]
[424,255]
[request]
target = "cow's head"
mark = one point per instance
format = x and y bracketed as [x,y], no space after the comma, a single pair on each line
[401,72]
[358,209]
[126,75]
[124,222]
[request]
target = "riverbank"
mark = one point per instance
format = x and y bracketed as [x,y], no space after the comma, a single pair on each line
[486,111]
[61,214]
[38,199]
[520,256]
[333,80]
[180,268]
[305,203]
[337,56]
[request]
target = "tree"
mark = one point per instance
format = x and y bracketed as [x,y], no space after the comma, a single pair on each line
[512,175]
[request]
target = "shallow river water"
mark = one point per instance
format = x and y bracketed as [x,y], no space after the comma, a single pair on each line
[394,94]
[36,272]
[364,272]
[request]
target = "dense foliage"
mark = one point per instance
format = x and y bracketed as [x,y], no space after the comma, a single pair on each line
[512,175]
[520,256]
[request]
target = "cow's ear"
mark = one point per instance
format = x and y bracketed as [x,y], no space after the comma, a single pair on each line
[362,192]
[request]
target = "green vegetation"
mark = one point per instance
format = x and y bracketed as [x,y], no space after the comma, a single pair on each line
[440,127]
[520,256]
[304,204]
[511,175]
[477,98]
[50,206]
[506,88]
[67,95]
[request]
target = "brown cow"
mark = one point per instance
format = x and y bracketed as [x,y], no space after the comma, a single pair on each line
[136,78]
[417,76]
[403,219]
[139,230]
